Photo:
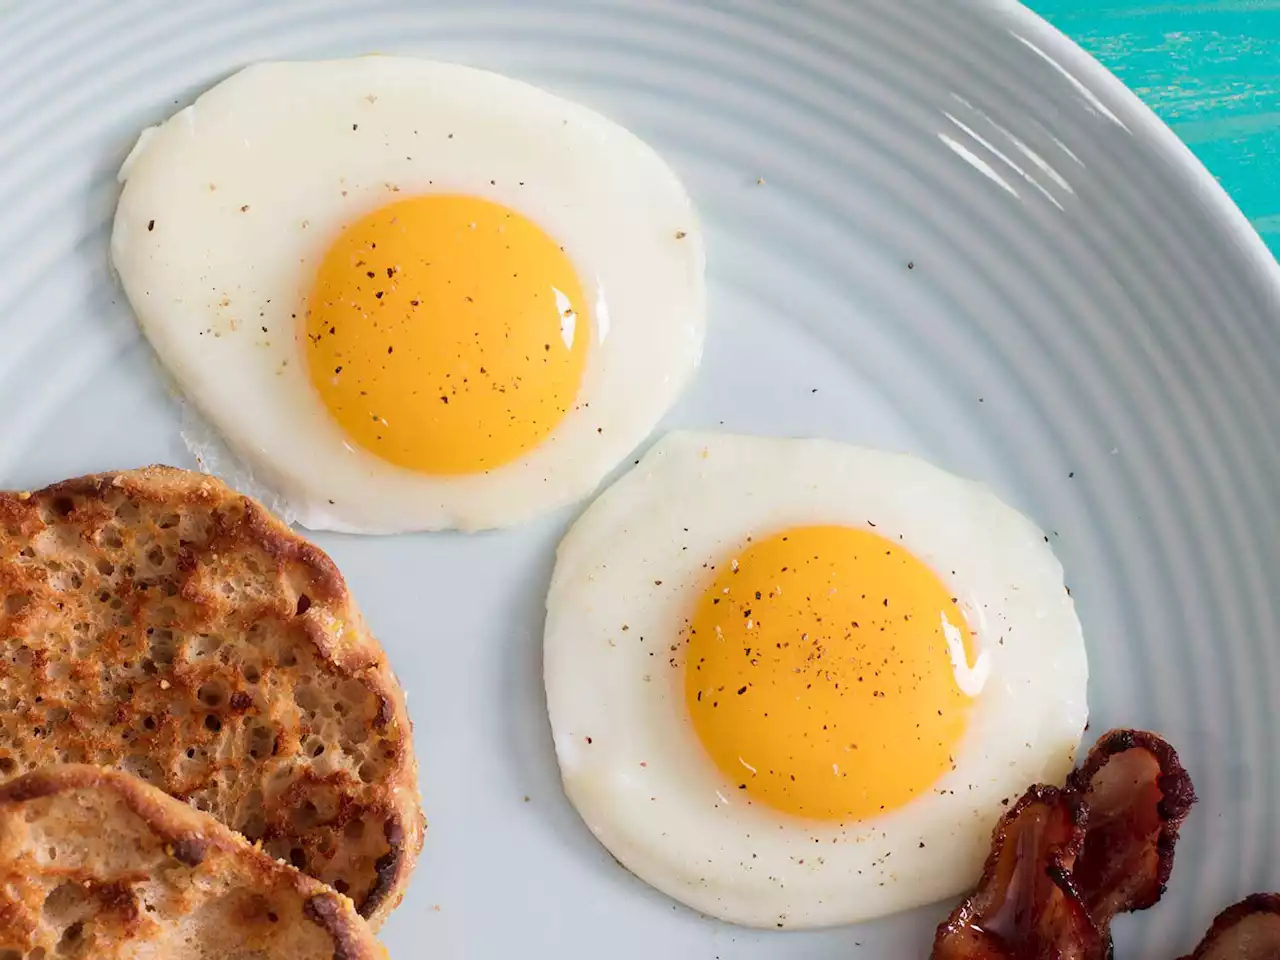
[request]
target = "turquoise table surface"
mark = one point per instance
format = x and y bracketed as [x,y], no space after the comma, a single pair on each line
[1210,70]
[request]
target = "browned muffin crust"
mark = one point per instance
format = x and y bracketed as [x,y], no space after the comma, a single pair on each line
[159,622]
[97,864]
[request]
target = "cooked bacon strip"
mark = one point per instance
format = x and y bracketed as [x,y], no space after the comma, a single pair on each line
[1137,794]
[1026,906]
[1249,930]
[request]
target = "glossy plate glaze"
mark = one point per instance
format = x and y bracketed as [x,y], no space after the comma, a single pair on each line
[938,228]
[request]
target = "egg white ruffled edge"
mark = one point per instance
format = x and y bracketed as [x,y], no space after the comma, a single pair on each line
[252,471]
[694,840]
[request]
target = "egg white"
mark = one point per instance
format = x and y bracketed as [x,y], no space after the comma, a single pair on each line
[228,208]
[630,760]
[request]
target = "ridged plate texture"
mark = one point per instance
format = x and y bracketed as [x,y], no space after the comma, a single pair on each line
[933,227]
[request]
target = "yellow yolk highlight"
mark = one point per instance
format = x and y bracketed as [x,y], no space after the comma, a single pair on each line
[447,334]
[826,673]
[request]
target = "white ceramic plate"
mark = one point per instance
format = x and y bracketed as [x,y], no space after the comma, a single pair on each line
[931,227]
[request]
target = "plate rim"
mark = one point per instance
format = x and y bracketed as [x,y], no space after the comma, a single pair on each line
[1249,247]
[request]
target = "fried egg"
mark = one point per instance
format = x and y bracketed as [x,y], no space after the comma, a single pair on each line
[793,683]
[412,295]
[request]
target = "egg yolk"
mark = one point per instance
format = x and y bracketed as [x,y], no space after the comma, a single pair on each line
[828,673]
[447,334]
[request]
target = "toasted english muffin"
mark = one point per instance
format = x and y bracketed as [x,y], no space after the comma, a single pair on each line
[158,622]
[98,864]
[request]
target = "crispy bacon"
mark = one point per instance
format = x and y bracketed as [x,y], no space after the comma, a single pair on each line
[1248,930]
[1137,794]
[1026,906]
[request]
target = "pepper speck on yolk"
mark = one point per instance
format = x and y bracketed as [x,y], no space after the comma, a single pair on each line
[827,673]
[447,334]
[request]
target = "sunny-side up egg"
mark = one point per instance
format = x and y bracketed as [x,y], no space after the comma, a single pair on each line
[794,683]
[412,295]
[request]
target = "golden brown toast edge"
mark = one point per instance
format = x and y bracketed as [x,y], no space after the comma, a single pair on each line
[189,835]
[175,487]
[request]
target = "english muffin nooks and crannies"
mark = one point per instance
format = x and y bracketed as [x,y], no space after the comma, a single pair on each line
[158,622]
[412,295]
[791,682]
[97,865]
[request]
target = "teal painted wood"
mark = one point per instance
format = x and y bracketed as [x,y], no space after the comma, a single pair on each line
[1211,70]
